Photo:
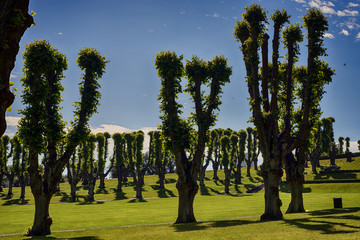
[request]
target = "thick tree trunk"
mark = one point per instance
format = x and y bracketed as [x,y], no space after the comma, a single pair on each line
[314,165]
[42,219]
[10,36]
[227,180]
[295,177]
[187,192]
[161,174]
[272,173]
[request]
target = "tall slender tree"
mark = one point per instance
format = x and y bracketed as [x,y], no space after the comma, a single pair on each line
[42,127]
[176,131]
[14,20]
[102,173]
[225,146]
[119,159]
[341,145]
[74,171]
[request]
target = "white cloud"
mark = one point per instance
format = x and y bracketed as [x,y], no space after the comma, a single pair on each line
[353,4]
[329,35]
[358,36]
[13,75]
[215,15]
[350,24]
[182,12]
[299,9]
[60,33]
[347,13]
[12,121]
[300,1]
[345,32]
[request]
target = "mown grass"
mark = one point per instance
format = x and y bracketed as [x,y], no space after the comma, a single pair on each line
[221,216]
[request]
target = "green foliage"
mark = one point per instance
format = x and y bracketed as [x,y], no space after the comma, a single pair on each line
[242,144]
[255,16]
[341,145]
[118,150]
[249,131]
[225,145]
[43,72]
[347,144]
[280,17]
[100,139]
[139,142]
[292,35]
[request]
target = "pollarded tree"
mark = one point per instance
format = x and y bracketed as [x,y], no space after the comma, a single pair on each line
[255,149]
[241,155]
[209,155]
[341,145]
[15,152]
[139,163]
[42,127]
[347,144]
[225,145]
[14,20]
[276,144]
[160,156]
[177,131]
[102,173]
[217,152]
[4,148]
[19,163]
[249,143]
[92,170]
[119,159]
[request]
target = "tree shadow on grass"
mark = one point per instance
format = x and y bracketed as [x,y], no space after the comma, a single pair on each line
[204,190]
[79,238]
[186,227]
[214,190]
[136,200]
[320,221]
[284,187]
[16,201]
[237,189]
[102,191]
[119,195]
[230,223]
[163,193]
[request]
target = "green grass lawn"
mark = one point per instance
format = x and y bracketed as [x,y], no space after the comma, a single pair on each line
[220,216]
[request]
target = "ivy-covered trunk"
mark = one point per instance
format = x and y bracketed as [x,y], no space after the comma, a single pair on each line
[187,190]
[271,172]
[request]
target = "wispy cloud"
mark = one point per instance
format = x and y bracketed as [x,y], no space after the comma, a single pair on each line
[353,4]
[347,13]
[300,1]
[350,24]
[13,75]
[182,12]
[329,35]
[345,32]
[60,33]
[215,15]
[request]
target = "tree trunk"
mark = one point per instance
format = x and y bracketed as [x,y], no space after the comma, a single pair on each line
[42,219]
[73,190]
[161,173]
[227,179]
[313,165]
[215,167]
[295,177]
[256,163]
[139,184]
[119,173]
[22,186]
[1,182]
[248,166]
[11,183]
[238,174]
[187,192]
[202,174]
[348,157]
[91,192]
[272,176]
[102,181]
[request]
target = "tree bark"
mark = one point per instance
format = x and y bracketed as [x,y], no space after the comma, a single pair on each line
[227,179]
[119,173]
[272,176]
[248,167]
[238,173]
[10,36]
[139,184]
[11,183]
[161,174]
[187,191]
[256,163]
[22,186]
[295,177]
[42,219]
[92,182]
[73,190]
[215,167]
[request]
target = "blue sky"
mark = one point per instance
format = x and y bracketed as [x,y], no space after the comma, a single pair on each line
[130,33]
